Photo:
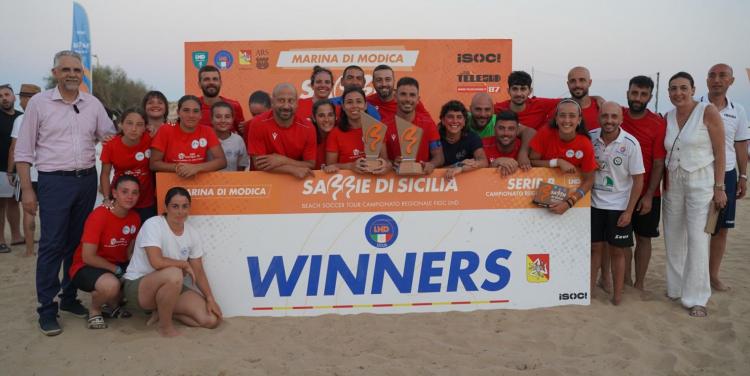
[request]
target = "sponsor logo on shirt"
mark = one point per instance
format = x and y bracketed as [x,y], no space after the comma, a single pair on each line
[579,154]
[181,156]
[570,153]
[492,57]
[274,135]
[617,161]
[139,156]
[200,58]
[203,142]
[127,230]
[223,60]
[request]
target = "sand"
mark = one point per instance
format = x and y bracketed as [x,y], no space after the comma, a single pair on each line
[646,335]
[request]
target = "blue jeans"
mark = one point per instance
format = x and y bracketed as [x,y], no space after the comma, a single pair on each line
[64,204]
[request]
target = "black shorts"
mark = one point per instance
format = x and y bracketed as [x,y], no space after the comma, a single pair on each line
[726,218]
[86,277]
[604,228]
[648,225]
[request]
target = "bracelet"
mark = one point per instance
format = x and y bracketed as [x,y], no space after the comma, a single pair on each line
[720,187]
[570,205]
[581,192]
[743,176]
[553,162]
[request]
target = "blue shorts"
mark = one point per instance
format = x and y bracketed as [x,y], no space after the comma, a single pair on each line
[726,220]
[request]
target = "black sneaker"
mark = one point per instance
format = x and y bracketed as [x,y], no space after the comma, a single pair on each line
[49,326]
[75,308]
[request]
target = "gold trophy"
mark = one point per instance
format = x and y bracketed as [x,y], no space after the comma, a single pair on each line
[409,137]
[373,135]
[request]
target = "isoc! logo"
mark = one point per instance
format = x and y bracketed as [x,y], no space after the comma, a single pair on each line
[381,231]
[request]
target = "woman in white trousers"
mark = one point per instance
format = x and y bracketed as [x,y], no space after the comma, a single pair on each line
[695,180]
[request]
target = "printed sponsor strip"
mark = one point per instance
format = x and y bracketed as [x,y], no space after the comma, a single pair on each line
[381,305]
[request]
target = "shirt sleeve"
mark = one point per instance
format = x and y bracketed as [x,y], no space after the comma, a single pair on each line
[635,165]
[106,156]
[743,132]
[94,227]
[537,142]
[104,125]
[151,233]
[27,135]
[332,142]
[659,151]
[244,161]
[589,161]
[473,142]
[16,127]
[196,251]
[161,140]
[211,139]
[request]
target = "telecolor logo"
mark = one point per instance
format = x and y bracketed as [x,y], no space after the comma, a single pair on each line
[381,231]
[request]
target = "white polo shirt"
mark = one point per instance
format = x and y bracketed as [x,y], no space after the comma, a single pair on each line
[736,129]
[617,162]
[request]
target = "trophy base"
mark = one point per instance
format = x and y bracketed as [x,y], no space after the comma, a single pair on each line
[410,168]
[373,164]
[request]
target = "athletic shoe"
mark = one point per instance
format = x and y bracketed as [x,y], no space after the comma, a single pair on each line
[49,326]
[75,308]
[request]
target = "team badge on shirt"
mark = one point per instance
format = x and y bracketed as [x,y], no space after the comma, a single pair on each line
[381,231]
[537,268]
[139,156]
[203,142]
[570,153]
[579,154]
[195,144]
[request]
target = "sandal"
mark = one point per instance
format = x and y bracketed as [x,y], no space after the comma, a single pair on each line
[96,322]
[698,311]
[117,313]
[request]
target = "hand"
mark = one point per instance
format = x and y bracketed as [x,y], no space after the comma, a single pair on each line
[108,203]
[720,199]
[741,188]
[11,179]
[382,168]
[428,167]
[559,207]
[188,270]
[397,161]
[565,166]
[269,162]
[330,169]
[301,172]
[452,172]
[506,166]
[185,170]
[624,219]
[213,308]
[107,138]
[524,162]
[644,205]
[28,201]
[241,127]
[470,164]
[360,166]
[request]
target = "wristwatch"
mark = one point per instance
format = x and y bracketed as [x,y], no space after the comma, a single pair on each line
[720,187]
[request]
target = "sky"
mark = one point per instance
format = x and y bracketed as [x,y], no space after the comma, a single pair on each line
[614,39]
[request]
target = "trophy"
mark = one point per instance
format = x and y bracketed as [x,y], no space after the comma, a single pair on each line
[409,137]
[373,135]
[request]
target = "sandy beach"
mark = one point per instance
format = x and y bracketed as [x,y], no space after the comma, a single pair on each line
[647,335]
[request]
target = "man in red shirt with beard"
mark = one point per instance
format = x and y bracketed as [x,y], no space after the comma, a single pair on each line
[532,112]
[209,80]
[384,97]
[649,129]
[579,82]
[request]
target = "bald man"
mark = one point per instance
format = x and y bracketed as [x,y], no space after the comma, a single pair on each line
[579,82]
[282,142]
[720,78]
[617,188]
[482,122]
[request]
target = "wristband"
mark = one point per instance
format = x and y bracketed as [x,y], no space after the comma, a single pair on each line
[743,176]
[118,271]
[720,187]
[581,192]
[553,162]
[570,205]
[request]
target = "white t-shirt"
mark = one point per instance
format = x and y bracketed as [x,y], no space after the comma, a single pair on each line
[617,162]
[735,129]
[14,134]
[156,233]
[235,152]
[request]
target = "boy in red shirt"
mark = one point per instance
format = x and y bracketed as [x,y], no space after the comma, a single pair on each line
[503,150]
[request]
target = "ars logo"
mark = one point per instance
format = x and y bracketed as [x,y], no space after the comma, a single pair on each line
[537,268]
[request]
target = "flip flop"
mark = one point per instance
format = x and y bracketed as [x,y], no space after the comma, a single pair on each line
[698,311]
[96,322]
[4,248]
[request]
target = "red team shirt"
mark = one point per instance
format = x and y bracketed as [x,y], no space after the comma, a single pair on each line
[181,147]
[111,234]
[430,135]
[649,131]
[304,108]
[236,110]
[132,160]
[579,151]
[537,112]
[298,142]
[348,144]
[591,116]
[387,110]
[493,152]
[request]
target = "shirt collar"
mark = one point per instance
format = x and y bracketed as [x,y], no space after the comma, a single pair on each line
[619,139]
[56,96]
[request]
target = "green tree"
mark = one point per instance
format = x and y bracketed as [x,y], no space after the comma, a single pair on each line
[113,88]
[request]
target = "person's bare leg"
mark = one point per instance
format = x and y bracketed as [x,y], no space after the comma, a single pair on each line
[29,229]
[618,273]
[628,266]
[2,222]
[106,290]
[605,280]
[642,258]
[13,213]
[160,290]
[596,261]
[718,247]
[191,310]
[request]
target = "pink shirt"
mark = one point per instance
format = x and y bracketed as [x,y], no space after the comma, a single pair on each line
[55,136]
